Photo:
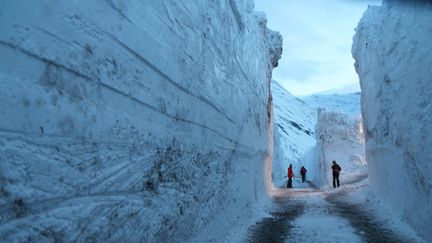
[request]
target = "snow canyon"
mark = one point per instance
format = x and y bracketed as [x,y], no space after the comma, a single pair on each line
[151,121]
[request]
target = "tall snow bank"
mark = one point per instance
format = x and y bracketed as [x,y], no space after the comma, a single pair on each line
[393,53]
[339,137]
[131,121]
[294,137]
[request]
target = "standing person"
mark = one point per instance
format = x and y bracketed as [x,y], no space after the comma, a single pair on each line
[290,176]
[303,173]
[336,171]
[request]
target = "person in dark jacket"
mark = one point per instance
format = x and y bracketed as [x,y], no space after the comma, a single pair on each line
[290,176]
[336,171]
[303,173]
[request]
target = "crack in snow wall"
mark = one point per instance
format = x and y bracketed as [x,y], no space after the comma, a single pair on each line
[393,52]
[131,120]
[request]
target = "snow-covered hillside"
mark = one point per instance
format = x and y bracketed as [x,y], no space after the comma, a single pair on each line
[131,121]
[294,136]
[344,103]
[393,53]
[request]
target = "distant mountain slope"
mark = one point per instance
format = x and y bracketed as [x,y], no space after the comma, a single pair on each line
[346,89]
[344,103]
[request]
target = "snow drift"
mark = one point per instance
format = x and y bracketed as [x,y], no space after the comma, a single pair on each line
[131,120]
[393,51]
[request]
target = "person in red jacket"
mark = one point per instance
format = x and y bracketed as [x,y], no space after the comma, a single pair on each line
[303,173]
[290,176]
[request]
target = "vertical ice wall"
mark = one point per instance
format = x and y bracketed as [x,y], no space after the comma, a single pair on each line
[127,120]
[340,137]
[393,53]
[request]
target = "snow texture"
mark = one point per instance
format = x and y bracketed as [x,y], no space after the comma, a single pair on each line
[293,135]
[340,137]
[313,133]
[393,52]
[344,103]
[131,120]
[316,132]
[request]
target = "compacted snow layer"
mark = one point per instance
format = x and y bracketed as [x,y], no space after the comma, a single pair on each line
[393,53]
[134,121]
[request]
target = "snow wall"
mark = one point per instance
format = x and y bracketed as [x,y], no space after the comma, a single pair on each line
[393,52]
[294,138]
[131,120]
[339,137]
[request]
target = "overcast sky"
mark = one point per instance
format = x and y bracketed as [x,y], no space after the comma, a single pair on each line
[317,42]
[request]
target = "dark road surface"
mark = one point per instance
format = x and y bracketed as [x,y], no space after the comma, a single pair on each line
[321,218]
[367,226]
[277,227]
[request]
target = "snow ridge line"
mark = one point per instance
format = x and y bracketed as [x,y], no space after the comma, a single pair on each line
[118,10]
[149,64]
[204,99]
[88,78]
[22,136]
[170,80]
[44,59]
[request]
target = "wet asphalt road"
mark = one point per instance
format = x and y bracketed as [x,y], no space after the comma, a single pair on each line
[361,225]
[277,227]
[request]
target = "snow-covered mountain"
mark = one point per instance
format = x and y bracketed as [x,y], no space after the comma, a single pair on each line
[346,89]
[392,48]
[344,103]
[134,121]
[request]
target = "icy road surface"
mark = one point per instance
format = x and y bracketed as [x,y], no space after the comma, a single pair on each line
[311,215]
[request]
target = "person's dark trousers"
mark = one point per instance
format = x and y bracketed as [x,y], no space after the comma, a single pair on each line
[303,178]
[289,185]
[335,180]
